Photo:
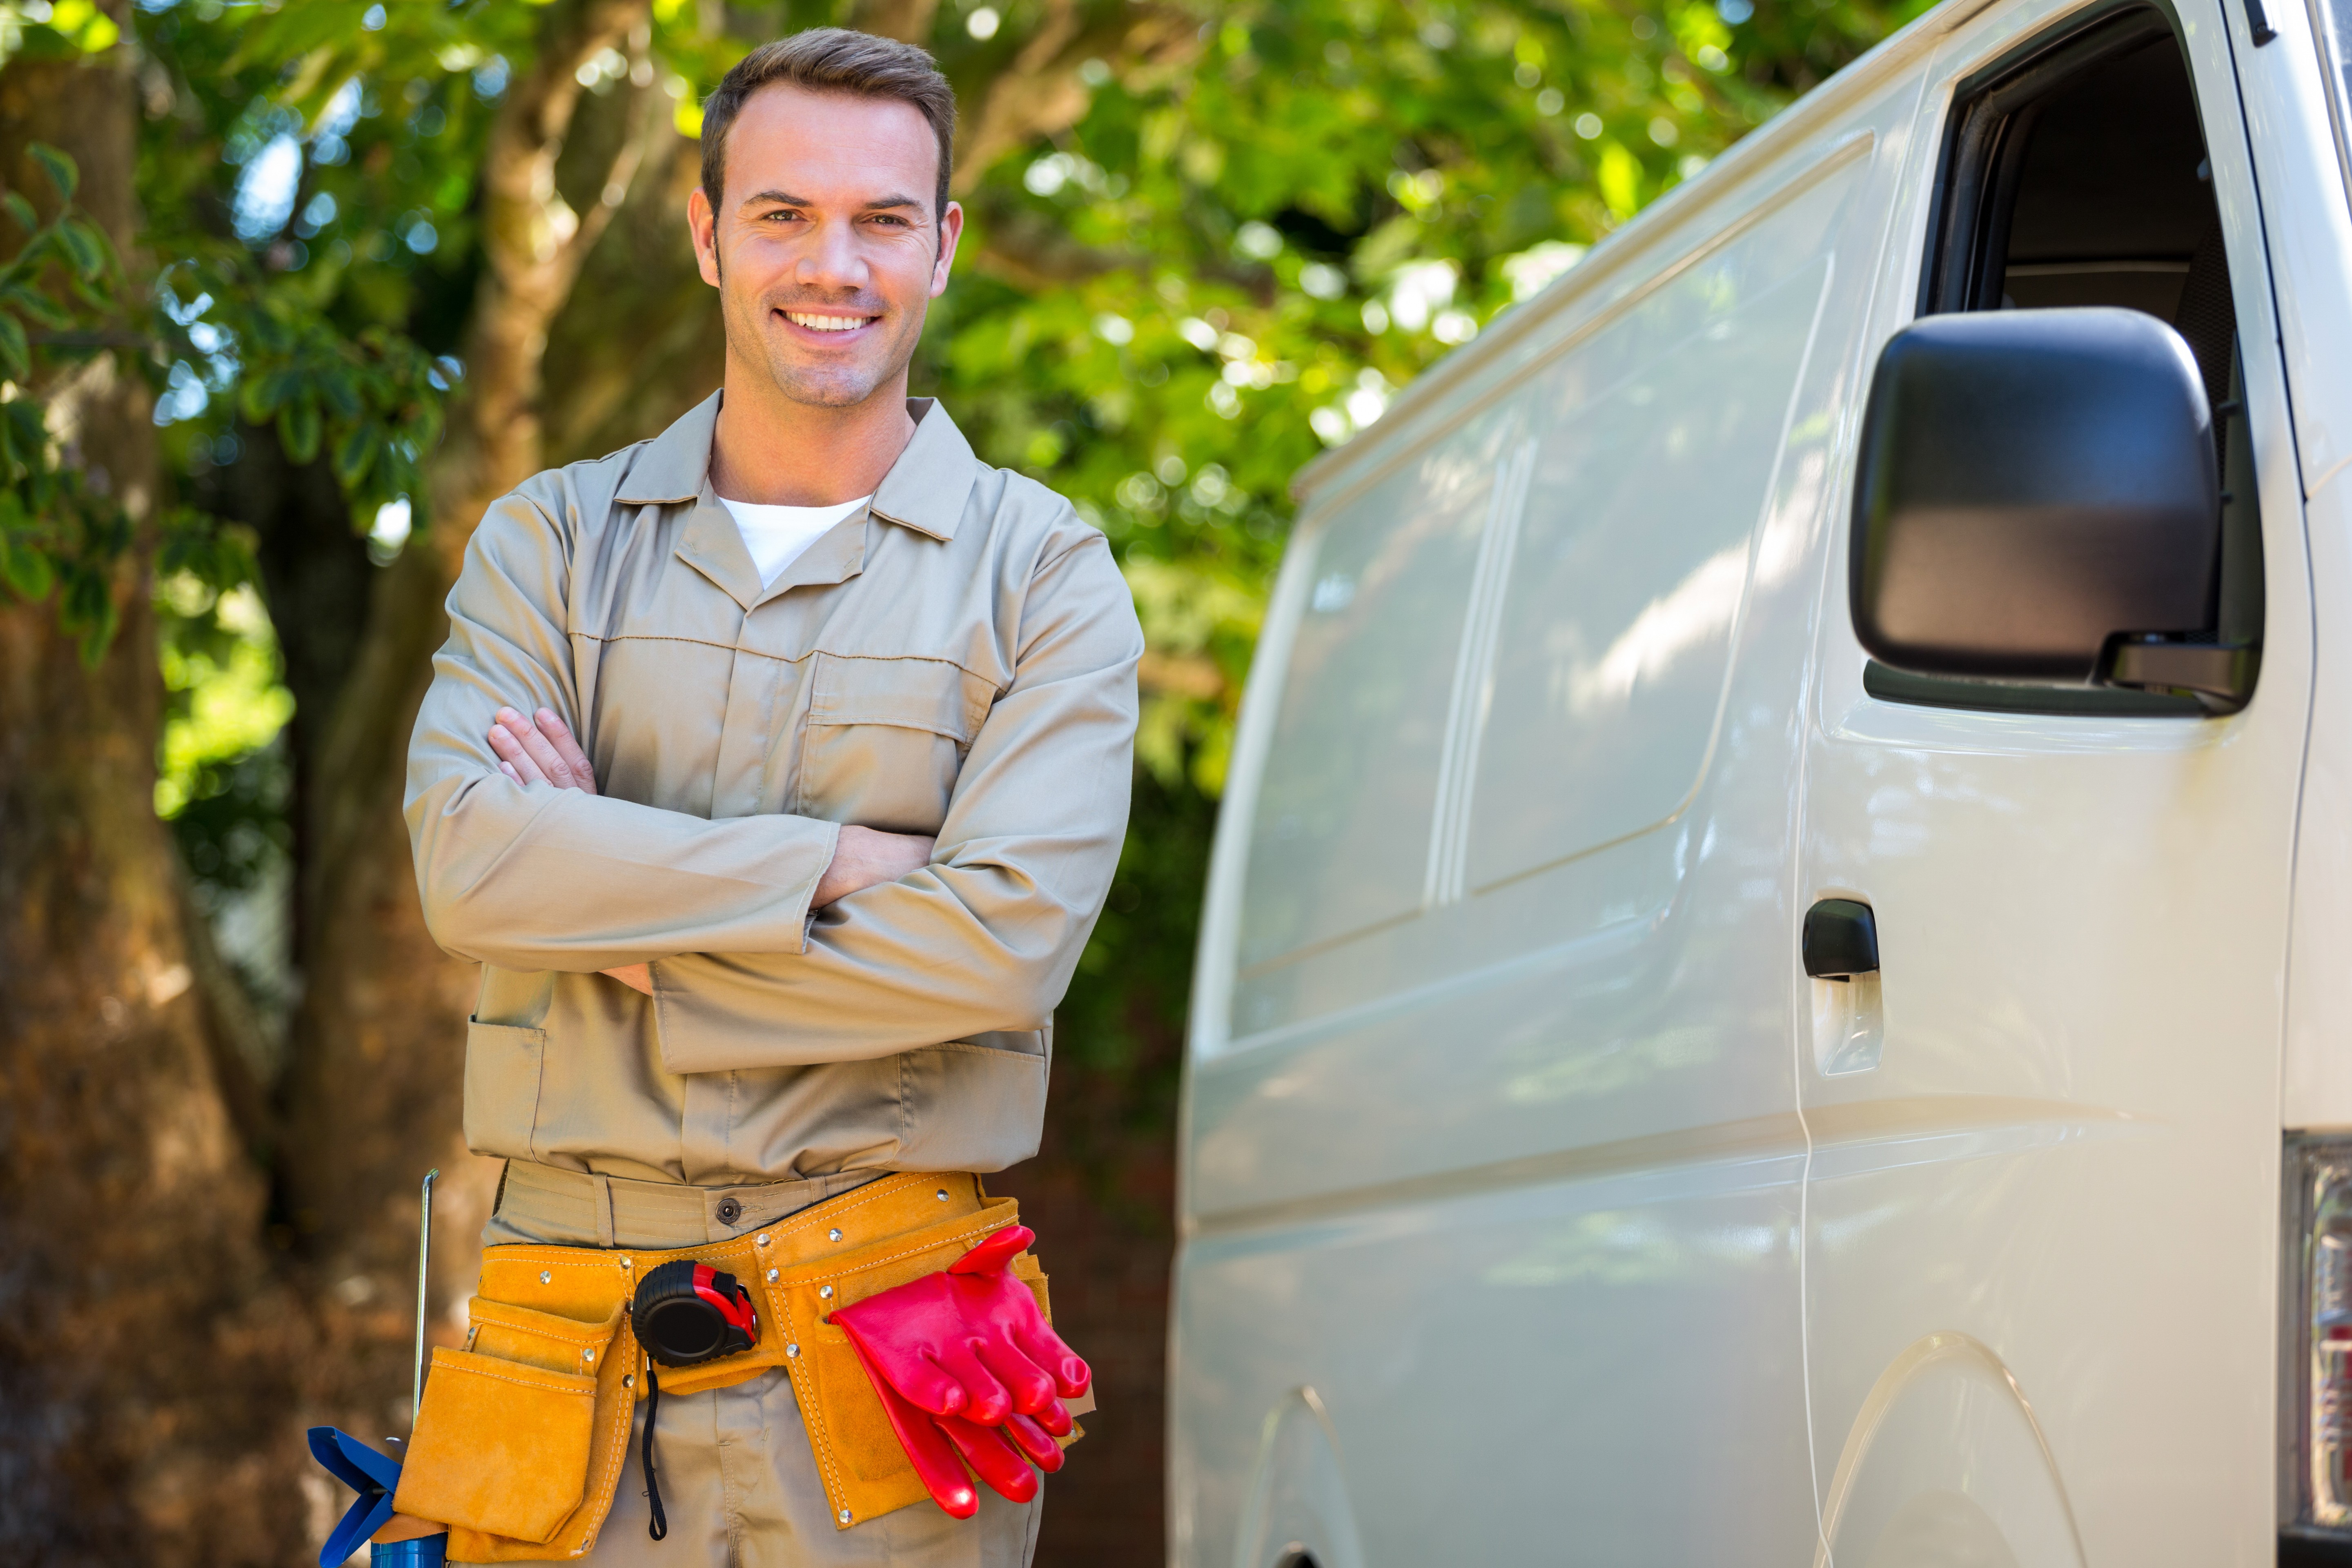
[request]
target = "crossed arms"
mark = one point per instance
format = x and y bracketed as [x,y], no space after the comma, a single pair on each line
[541,749]
[982,935]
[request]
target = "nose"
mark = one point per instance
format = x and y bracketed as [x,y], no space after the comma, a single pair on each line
[831,258]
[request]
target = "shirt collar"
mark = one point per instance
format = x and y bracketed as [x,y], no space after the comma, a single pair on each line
[925,488]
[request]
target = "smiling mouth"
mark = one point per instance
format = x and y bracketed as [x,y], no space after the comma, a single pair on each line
[827,323]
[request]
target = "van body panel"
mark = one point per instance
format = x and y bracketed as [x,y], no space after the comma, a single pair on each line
[2068,1151]
[1552,1106]
[1533,1203]
[2309,217]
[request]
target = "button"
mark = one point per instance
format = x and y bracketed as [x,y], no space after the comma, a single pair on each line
[729,1211]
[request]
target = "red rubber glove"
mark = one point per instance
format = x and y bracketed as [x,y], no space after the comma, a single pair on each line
[995,1453]
[965,1363]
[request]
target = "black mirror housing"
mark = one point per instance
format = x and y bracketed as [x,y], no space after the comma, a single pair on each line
[2031,485]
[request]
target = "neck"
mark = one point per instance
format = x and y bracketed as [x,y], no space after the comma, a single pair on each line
[771,451]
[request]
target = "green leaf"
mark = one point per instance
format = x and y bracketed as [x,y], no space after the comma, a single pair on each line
[22,211]
[84,246]
[298,429]
[43,310]
[342,398]
[60,168]
[355,454]
[27,570]
[16,354]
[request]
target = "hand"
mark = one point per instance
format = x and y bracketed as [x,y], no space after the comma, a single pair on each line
[864,857]
[541,750]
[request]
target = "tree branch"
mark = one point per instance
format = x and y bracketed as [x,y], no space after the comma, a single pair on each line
[1041,94]
[238,1048]
[627,159]
[908,21]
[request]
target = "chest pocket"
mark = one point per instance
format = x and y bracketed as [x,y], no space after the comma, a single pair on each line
[886,738]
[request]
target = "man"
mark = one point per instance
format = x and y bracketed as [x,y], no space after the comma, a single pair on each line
[775,770]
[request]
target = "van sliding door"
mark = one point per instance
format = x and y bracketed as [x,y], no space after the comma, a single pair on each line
[1492,1160]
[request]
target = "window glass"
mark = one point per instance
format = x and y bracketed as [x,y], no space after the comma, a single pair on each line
[1341,840]
[1657,441]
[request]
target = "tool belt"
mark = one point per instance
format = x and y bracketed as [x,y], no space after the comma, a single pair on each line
[523,1434]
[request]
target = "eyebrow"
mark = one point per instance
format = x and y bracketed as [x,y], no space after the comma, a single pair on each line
[785,198]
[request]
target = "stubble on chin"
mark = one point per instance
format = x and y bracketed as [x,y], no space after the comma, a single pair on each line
[753,339]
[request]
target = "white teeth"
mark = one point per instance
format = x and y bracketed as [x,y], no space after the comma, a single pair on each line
[826,323]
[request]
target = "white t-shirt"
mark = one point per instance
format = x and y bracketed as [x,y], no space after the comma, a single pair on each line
[775,535]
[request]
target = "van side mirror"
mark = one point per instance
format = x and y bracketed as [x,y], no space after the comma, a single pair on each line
[2038,498]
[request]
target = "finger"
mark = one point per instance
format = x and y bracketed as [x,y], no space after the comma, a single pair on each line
[991,1459]
[1055,1418]
[514,758]
[542,752]
[934,1456]
[584,773]
[1031,1385]
[507,769]
[996,1251]
[1041,1345]
[988,1401]
[1040,1449]
[915,1376]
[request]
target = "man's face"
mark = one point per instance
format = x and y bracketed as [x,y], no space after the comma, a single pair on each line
[824,247]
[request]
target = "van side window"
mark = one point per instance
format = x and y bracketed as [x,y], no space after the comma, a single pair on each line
[1337,843]
[2075,173]
[1659,447]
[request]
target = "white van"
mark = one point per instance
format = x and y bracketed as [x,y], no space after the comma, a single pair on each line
[1778,980]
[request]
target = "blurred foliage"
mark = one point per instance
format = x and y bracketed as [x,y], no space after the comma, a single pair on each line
[1227,257]
[61,306]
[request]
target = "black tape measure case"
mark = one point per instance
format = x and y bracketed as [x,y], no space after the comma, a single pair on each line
[687,1313]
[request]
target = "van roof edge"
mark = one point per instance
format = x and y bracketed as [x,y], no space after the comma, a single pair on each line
[1733,169]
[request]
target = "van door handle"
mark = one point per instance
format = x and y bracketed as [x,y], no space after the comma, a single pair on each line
[1841,940]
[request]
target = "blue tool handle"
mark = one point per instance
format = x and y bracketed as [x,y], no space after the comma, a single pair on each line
[425,1552]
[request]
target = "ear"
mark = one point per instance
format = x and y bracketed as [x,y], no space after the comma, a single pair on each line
[950,231]
[702,227]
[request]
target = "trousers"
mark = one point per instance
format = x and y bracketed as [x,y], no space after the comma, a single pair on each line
[738,1483]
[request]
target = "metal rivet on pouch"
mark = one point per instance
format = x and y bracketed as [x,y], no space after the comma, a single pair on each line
[763,1241]
[587,1355]
[624,1263]
[772,1275]
[845,1515]
[792,1349]
[832,1235]
[943,1195]
[546,1277]
[629,1380]
[826,1291]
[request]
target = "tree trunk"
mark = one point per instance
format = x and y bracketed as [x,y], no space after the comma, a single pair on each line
[377,1042]
[139,1356]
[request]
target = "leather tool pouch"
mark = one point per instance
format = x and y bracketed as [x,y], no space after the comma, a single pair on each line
[524,1434]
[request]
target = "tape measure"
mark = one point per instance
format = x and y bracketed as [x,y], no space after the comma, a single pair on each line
[687,1312]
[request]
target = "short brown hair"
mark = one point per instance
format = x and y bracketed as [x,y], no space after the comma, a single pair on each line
[832,60]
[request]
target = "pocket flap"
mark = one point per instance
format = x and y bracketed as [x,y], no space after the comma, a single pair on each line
[910,694]
[500,1446]
[543,1340]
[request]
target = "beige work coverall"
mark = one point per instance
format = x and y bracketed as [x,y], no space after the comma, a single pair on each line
[957,658]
